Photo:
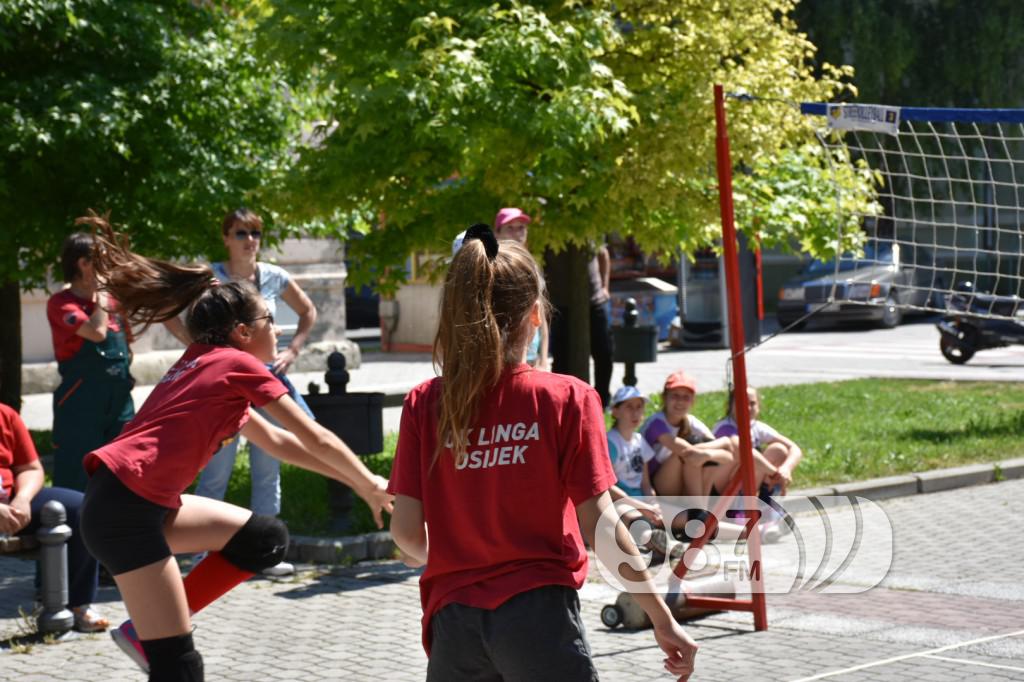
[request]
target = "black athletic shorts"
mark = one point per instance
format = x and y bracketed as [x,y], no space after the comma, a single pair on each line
[122,530]
[535,636]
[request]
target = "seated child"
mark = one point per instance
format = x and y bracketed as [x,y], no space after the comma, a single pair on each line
[782,452]
[689,460]
[777,449]
[628,450]
[630,455]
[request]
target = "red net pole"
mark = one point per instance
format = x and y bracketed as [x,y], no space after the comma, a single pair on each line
[736,343]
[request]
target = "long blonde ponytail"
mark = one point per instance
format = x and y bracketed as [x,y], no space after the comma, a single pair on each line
[485,305]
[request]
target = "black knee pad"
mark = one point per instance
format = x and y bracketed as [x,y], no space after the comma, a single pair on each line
[261,543]
[173,659]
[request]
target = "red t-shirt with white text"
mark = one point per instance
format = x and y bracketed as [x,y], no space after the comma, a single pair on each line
[16,449]
[202,400]
[66,313]
[503,521]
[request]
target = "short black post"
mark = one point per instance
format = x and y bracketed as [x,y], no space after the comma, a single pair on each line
[629,321]
[53,537]
[357,419]
[336,376]
[339,495]
[634,342]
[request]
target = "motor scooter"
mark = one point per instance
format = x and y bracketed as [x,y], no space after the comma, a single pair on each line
[968,327]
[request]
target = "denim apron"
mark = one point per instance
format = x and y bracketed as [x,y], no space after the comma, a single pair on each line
[91,405]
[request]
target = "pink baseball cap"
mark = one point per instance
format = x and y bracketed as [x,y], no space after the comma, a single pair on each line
[507,215]
[680,379]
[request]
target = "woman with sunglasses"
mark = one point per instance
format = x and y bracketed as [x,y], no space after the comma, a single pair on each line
[242,231]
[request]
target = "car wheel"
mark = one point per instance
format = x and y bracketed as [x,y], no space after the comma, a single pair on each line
[957,352]
[891,315]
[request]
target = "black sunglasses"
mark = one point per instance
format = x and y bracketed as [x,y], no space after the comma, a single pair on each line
[242,235]
[269,317]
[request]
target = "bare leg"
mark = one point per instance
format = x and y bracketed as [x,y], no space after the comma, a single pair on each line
[155,594]
[155,597]
[670,477]
[202,524]
[776,453]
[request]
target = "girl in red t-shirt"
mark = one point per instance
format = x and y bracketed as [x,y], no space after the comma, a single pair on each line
[496,460]
[135,516]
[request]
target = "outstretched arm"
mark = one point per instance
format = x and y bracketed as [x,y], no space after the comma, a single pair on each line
[304,442]
[601,528]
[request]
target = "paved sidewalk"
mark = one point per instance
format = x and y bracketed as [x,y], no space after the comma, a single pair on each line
[954,580]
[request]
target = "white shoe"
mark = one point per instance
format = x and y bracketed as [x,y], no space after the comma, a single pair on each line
[281,569]
[771,534]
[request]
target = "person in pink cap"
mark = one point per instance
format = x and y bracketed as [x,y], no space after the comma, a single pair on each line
[511,223]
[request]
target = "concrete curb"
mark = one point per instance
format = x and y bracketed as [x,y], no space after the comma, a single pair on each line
[957,477]
[343,550]
[379,545]
[1011,468]
[881,488]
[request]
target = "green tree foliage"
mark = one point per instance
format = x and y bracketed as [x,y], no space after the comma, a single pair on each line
[787,199]
[939,53]
[160,112]
[596,116]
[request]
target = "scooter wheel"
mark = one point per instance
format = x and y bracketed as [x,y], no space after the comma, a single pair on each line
[955,352]
[611,616]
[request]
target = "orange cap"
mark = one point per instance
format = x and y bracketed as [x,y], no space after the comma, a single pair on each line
[680,379]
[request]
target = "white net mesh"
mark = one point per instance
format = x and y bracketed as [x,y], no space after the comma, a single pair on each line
[951,191]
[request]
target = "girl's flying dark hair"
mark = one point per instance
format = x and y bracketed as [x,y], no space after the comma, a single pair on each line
[150,290]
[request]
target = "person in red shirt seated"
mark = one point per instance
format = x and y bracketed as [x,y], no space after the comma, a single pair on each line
[494,462]
[135,517]
[22,497]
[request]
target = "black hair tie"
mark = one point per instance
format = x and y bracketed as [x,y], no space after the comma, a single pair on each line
[482,231]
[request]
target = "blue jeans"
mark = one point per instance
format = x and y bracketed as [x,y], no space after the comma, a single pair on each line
[265,497]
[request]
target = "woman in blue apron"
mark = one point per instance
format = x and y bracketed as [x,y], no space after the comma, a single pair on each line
[90,341]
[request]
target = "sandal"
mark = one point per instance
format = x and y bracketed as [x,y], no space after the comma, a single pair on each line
[87,619]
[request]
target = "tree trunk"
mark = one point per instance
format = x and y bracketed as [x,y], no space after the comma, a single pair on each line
[10,344]
[569,291]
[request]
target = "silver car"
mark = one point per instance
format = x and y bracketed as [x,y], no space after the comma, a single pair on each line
[870,288]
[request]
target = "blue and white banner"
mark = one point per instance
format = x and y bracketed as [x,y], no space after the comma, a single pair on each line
[872,117]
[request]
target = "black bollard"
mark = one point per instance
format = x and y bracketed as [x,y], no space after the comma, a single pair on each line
[356,418]
[53,537]
[634,343]
[336,376]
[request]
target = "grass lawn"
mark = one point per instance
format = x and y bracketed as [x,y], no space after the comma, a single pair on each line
[866,428]
[849,431]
